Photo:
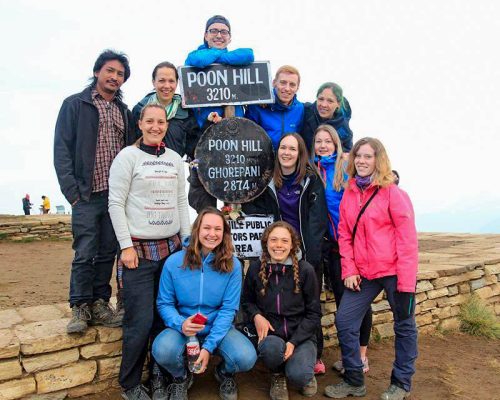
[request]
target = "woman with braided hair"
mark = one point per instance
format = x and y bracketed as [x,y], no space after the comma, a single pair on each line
[280,296]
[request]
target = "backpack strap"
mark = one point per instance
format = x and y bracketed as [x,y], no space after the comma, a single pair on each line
[361,213]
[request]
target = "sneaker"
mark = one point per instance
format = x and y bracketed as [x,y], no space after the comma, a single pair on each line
[136,393]
[278,389]
[366,367]
[310,389]
[158,387]
[227,389]
[177,390]
[103,314]
[79,320]
[319,367]
[339,367]
[343,389]
[394,392]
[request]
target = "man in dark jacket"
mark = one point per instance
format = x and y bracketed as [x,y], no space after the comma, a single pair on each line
[92,127]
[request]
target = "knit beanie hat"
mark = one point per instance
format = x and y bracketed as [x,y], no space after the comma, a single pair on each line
[218,19]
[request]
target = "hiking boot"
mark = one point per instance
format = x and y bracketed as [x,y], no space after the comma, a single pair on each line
[103,314]
[278,389]
[228,390]
[311,388]
[394,392]
[79,320]
[136,393]
[178,389]
[343,389]
[158,387]
[319,367]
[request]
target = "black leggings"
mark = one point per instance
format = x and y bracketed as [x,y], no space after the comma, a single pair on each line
[332,262]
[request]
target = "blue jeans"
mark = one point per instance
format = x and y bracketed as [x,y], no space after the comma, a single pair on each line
[141,321]
[351,312]
[95,246]
[299,368]
[236,350]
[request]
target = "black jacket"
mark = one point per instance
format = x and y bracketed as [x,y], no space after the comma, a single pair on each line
[295,317]
[75,143]
[183,131]
[340,121]
[313,214]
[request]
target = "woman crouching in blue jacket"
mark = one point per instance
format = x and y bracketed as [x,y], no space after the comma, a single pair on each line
[203,279]
[329,160]
[280,297]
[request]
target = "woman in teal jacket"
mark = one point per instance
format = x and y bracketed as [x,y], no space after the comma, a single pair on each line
[203,279]
[328,151]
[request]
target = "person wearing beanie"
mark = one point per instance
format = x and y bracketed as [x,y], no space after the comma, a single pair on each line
[216,38]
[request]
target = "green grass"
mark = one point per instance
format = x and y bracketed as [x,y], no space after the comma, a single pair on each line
[476,319]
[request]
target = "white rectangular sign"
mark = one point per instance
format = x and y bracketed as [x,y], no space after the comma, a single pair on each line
[247,233]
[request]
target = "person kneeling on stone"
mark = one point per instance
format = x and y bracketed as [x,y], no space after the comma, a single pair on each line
[203,279]
[280,296]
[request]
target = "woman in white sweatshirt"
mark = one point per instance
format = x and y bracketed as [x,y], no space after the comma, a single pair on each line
[149,212]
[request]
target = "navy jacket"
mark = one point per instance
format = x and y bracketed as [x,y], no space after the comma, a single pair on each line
[295,317]
[277,118]
[75,143]
[340,121]
[182,133]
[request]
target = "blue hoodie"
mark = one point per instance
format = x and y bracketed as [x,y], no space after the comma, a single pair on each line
[326,167]
[204,56]
[184,292]
[277,118]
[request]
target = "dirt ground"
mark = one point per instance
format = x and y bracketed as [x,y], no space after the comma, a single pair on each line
[453,366]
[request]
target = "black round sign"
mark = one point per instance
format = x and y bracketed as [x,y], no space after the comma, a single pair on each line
[235,160]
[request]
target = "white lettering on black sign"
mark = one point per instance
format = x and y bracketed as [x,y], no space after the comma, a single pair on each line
[235,160]
[220,84]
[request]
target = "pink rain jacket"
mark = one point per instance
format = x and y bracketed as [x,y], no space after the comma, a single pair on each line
[386,238]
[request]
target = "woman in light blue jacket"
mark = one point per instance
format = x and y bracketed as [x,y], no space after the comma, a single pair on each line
[203,279]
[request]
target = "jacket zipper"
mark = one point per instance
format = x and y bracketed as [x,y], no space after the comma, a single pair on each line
[200,298]
[300,215]
[278,304]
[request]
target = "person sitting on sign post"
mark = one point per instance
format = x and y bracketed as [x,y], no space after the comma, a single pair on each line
[286,113]
[183,131]
[280,297]
[296,195]
[330,108]
[213,50]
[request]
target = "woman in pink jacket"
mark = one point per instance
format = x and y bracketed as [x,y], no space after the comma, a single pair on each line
[379,250]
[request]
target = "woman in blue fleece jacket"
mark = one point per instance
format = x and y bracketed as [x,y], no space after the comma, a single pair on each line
[205,278]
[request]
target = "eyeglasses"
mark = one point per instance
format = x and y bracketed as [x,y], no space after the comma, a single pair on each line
[215,32]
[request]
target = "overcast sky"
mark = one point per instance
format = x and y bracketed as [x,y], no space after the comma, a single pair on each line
[424,77]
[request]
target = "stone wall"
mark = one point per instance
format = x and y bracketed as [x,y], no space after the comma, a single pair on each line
[38,360]
[35,227]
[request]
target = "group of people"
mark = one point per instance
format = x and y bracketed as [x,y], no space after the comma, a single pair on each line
[337,212]
[27,205]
